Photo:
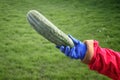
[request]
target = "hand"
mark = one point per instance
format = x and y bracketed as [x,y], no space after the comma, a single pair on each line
[76,52]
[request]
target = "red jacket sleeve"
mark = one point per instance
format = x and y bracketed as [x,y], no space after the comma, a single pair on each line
[106,62]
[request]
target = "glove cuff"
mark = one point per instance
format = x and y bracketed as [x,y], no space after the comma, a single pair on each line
[90,51]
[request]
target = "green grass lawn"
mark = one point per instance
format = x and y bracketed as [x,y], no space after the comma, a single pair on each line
[25,55]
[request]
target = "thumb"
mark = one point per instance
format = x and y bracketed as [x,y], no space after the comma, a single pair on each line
[75,41]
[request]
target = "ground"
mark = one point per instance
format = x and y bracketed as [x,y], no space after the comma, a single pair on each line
[25,55]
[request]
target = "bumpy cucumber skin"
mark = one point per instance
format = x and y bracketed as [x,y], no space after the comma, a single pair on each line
[48,30]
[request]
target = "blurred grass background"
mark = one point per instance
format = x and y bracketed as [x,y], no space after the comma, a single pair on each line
[25,55]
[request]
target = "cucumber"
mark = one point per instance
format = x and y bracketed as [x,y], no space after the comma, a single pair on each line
[47,29]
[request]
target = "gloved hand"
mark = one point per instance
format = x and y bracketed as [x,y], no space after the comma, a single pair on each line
[76,52]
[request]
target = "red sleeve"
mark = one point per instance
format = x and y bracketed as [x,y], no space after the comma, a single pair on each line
[106,62]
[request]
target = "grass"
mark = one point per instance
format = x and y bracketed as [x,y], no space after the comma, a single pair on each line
[25,55]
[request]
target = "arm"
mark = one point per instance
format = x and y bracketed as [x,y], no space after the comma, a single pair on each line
[103,60]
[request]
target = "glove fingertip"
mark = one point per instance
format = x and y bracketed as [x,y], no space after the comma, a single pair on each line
[57,46]
[73,39]
[62,48]
[67,50]
[70,36]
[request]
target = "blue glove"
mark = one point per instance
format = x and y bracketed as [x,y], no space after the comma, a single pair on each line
[76,52]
